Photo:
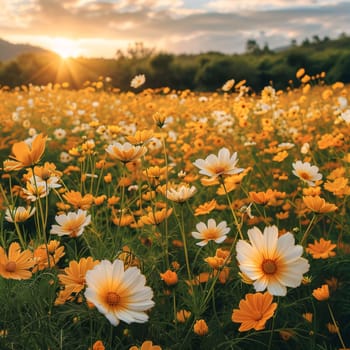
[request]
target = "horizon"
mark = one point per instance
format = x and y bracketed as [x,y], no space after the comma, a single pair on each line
[97,29]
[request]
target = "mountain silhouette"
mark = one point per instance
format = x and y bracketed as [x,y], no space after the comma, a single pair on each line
[9,51]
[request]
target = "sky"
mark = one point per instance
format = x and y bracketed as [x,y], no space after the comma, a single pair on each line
[98,28]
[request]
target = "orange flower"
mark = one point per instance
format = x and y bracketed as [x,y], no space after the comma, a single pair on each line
[78,201]
[254,311]
[47,255]
[98,345]
[16,264]
[146,345]
[201,327]
[205,208]
[318,204]
[321,293]
[25,155]
[169,277]
[321,249]
[156,217]
[183,315]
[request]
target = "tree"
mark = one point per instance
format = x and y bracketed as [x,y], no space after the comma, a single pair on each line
[252,46]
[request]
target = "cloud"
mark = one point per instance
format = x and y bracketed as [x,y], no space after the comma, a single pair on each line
[174,26]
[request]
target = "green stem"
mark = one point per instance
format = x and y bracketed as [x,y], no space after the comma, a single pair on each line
[336,326]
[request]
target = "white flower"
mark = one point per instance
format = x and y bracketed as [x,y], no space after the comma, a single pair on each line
[306,172]
[180,193]
[270,261]
[71,224]
[19,214]
[223,164]
[346,116]
[126,152]
[138,80]
[121,295]
[211,232]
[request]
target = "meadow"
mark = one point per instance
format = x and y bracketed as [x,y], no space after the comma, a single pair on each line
[163,219]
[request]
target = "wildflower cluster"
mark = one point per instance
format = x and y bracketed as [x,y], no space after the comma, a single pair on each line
[163,219]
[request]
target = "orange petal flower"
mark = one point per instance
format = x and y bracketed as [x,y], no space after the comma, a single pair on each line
[169,277]
[321,249]
[24,155]
[318,204]
[16,264]
[146,345]
[254,311]
[201,327]
[321,293]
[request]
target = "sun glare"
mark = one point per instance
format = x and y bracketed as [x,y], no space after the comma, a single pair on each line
[65,47]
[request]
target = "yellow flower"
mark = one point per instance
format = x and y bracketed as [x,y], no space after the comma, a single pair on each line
[318,204]
[121,295]
[169,277]
[16,264]
[254,311]
[156,217]
[321,293]
[201,327]
[146,345]
[183,315]
[228,85]
[78,201]
[321,249]
[25,155]
[205,208]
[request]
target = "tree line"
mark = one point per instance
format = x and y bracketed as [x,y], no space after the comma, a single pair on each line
[198,72]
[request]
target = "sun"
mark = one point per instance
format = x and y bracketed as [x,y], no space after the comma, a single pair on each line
[65,48]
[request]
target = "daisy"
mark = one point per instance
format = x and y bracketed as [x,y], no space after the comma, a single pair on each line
[254,311]
[270,261]
[211,232]
[222,164]
[306,172]
[16,264]
[71,224]
[125,152]
[121,295]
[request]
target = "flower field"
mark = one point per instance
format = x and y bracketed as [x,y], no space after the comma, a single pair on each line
[163,219]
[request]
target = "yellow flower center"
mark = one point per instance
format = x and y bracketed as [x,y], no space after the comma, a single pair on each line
[211,233]
[10,266]
[112,299]
[304,175]
[269,266]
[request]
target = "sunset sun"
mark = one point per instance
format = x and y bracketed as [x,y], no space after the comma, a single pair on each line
[65,48]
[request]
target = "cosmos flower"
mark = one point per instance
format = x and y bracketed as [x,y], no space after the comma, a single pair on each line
[321,293]
[318,204]
[201,327]
[125,152]
[146,345]
[24,155]
[321,249]
[211,232]
[138,80]
[222,164]
[16,264]
[180,193]
[19,214]
[121,295]
[254,311]
[272,262]
[306,172]
[71,224]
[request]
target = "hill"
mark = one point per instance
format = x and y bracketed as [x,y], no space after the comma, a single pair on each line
[9,51]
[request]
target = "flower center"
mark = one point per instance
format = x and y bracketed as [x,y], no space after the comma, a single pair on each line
[211,233]
[304,175]
[10,266]
[269,266]
[112,299]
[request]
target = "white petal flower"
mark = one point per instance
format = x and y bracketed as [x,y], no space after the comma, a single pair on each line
[211,232]
[121,295]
